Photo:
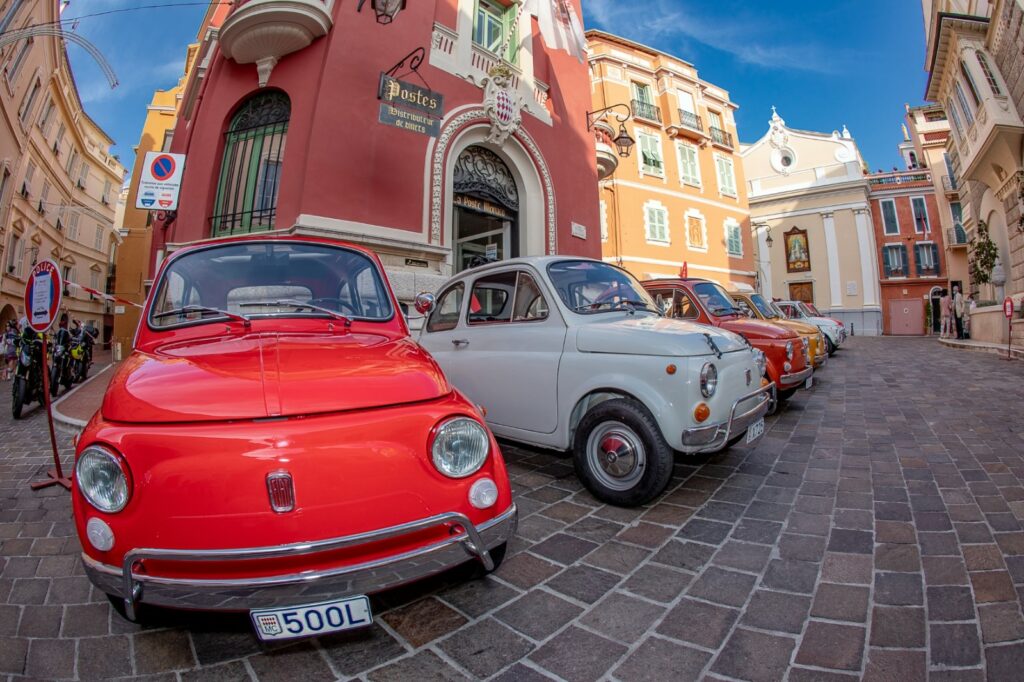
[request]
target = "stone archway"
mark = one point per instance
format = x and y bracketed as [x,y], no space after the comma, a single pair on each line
[7,314]
[992,212]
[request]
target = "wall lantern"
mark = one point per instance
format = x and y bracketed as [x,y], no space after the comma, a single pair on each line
[768,238]
[386,10]
[623,142]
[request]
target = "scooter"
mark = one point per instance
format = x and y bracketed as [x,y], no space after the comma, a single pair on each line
[61,371]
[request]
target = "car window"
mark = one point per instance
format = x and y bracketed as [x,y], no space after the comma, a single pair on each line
[810,310]
[714,298]
[744,307]
[763,305]
[491,300]
[788,310]
[677,304]
[591,287]
[446,313]
[530,304]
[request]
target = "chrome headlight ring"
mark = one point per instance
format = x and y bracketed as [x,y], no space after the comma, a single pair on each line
[708,379]
[459,446]
[104,479]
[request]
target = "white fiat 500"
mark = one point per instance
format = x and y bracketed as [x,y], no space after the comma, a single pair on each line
[571,353]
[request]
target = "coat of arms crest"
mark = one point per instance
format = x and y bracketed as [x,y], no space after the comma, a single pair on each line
[502,103]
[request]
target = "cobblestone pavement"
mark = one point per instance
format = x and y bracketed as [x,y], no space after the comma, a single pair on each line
[875,532]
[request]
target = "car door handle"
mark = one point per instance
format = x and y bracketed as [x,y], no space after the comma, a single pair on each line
[459,343]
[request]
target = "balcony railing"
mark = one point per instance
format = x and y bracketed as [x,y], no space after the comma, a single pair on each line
[900,178]
[691,120]
[719,136]
[956,236]
[646,110]
[949,185]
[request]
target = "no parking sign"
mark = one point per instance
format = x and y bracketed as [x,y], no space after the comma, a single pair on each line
[42,295]
[160,182]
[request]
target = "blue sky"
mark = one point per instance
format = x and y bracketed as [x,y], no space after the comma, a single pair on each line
[823,64]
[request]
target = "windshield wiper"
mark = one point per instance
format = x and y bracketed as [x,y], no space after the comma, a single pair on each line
[299,304]
[184,310]
[617,305]
[720,310]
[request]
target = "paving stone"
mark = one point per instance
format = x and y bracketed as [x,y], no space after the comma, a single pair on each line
[477,597]
[425,666]
[904,558]
[954,644]
[992,586]
[757,530]
[705,530]
[565,549]
[983,557]
[888,665]
[801,547]
[591,655]
[754,656]
[743,556]
[614,557]
[941,570]
[780,611]
[687,555]
[698,623]
[40,621]
[484,648]
[658,583]
[897,627]
[722,587]
[898,589]
[538,614]
[162,651]
[828,645]
[950,603]
[424,621]
[235,671]
[847,568]
[791,576]
[1000,622]
[938,544]
[1005,662]
[851,541]
[659,659]
[584,583]
[104,657]
[841,602]
[85,620]
[622,618]
[517,673]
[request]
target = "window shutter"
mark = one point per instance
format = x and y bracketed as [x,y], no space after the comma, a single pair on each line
[887,261]
[935,258]
[917,257]
[906,261]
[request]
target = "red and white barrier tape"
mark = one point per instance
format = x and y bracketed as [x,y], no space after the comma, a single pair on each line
[100,294]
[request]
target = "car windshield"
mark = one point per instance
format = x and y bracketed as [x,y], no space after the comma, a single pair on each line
[715,300]
[589,287]
[809,309]
[787,310]
[763,305]
[256,280]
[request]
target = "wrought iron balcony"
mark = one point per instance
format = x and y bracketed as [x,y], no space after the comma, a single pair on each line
[261,32]
[646,110]
[691,120]
[949,185]
[956,236]
[720,137]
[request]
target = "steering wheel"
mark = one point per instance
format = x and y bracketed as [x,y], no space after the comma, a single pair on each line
[335,304]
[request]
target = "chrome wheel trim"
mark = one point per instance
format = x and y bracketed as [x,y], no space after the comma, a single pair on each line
[616,456]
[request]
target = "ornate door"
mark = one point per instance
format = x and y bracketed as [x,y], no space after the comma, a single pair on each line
[801,291]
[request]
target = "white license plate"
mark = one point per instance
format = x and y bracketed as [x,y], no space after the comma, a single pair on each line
[755,431]
[312,619]
[809,382]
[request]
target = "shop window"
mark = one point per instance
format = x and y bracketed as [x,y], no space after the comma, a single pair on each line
[250,172]
[891,223]
[494,25]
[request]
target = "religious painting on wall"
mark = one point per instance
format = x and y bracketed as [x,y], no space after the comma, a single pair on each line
[798,253]
[695,236]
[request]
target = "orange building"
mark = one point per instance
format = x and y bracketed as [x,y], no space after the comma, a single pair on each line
[680,198]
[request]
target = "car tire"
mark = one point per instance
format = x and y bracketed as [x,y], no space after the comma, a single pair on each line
[17,397]
[640,478]
[787,393]
[54,381]
[830,347]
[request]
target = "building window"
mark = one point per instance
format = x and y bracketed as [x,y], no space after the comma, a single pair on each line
[656,222]
[494,25]
[26,187]
[927,255]
[689,163]
[16,255]
[986,69]
[94,279]
[46,118]
[72,163]
[59,140]
[970,84]
[688,111]
[98,239]
[106,193]
[15,65]
[29,102]
[696,231]
[964,106]
[921,224]
[643,102]
[650,155]
[83,176]
[932,116]
[73,218]
[895,260]
[61,210]
[890,222]
[44,197]
[957,125]
[957,213]
[733,237]
[726,175]
[250,171]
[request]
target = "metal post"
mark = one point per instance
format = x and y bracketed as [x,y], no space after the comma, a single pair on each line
[55,476]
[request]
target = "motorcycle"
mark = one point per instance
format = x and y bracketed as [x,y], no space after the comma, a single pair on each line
[28,378]
[81,353]
[61,373]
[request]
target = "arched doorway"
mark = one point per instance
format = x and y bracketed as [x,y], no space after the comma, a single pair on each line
[935,300]
[485,199]
[6,315]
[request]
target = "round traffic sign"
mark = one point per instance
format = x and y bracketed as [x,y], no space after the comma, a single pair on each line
[1008,307]
[43,292]
[163,167]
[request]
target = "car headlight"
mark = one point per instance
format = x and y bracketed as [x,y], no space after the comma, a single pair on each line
[761,360]
[103,479]
[789,350]
[708,379]
[807,342]
[460,446]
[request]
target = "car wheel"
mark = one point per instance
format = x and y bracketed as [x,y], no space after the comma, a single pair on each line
[787,393]
[830,347]
[17,396]
[54,381]
[620,455]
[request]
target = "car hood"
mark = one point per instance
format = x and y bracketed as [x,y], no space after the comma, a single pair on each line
[758,329]
[650,335]
[271,375]
[801,328]
[821,321]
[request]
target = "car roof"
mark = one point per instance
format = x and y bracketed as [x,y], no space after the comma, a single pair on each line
[538,262]
[676,280]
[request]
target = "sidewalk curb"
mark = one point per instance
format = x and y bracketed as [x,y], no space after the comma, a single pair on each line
[982,347]
[70,424]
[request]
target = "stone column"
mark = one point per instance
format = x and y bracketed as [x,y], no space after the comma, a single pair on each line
[868,257]
[832,249]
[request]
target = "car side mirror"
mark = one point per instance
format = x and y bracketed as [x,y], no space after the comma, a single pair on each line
[425,302]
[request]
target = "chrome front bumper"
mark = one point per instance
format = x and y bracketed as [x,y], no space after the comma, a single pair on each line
[820,360]
[793,380]
[465,543]
[715,436]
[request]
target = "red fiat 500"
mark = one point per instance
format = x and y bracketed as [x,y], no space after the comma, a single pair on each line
[277,444]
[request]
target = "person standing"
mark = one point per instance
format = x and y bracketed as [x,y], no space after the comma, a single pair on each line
[10,342]
[959,308]
[946,313]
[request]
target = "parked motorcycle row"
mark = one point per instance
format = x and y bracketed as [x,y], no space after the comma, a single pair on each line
[69,357]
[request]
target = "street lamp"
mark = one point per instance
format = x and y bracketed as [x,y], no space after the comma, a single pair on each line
[768,238]
[623,142]
[386,10]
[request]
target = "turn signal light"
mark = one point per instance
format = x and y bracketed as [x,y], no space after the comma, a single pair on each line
[702,413]
[671,369]
[764,382]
